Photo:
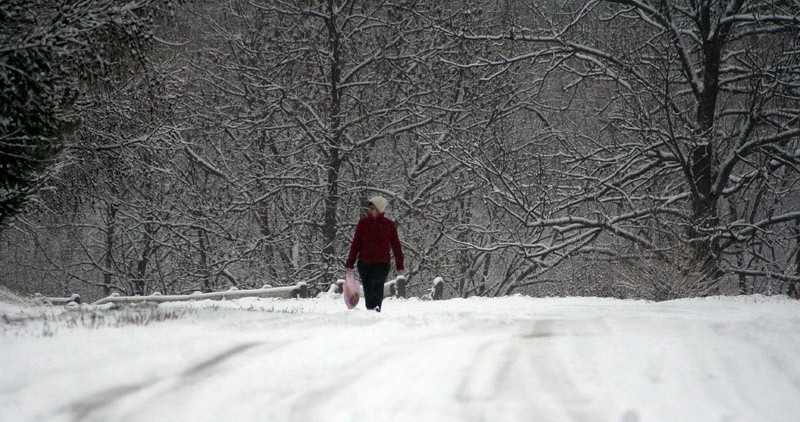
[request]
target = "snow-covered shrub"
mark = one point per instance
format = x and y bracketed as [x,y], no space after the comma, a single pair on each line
[46,322]
[657,280]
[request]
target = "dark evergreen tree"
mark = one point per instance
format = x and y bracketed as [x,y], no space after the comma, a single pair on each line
[32,119]
[46,49]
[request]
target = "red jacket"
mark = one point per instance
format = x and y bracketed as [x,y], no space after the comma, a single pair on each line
[371,243]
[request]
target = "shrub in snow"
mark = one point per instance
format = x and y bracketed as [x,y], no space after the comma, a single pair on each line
[74,315]
[657,280]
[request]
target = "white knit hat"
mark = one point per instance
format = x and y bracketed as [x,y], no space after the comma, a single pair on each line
[380,203]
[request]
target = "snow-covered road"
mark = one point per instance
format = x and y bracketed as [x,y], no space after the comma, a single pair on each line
[510,359]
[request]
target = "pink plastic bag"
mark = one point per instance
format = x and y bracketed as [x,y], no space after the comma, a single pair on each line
[351,288]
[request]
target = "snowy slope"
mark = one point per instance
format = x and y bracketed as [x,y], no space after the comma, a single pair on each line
[509,359]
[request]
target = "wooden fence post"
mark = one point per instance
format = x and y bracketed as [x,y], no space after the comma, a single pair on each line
[401,286]
[438,289]
[301,291]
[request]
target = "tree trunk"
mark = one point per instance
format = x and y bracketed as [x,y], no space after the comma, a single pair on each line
[330,227]
[794,287]
[704,171]
[142,262]
[705,244]
[109,261]
[207,284]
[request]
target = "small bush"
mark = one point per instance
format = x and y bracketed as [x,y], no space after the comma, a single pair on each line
[48,322]
[657,280]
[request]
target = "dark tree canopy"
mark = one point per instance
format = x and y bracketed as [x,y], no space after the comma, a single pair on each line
[46,50]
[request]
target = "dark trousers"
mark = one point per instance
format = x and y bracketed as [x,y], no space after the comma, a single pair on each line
[373,276]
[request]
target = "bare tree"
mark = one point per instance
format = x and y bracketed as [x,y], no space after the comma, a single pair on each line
[319,106]
[522,145]
[669,137]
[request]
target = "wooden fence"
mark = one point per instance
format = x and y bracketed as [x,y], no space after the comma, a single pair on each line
[392,288]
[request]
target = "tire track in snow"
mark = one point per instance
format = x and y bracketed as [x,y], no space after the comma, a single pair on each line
[84,409]
[207,365]
[331,393]
[371,385]
[90,407]
[490,369]
[310,405]
[531,366]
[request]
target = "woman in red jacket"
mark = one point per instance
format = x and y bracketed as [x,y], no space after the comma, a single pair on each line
[375,235]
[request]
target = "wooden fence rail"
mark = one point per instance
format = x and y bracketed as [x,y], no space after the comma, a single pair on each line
[297,291]
[59,300]
[392,288]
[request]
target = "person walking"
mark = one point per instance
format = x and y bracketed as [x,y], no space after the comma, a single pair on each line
[374,237]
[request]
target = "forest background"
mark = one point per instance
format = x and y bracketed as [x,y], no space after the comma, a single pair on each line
[612,148]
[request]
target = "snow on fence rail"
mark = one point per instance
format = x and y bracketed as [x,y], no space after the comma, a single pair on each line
[394,288]
[59,300]
[299,290]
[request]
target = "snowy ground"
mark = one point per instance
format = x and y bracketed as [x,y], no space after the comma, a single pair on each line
[504,359]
